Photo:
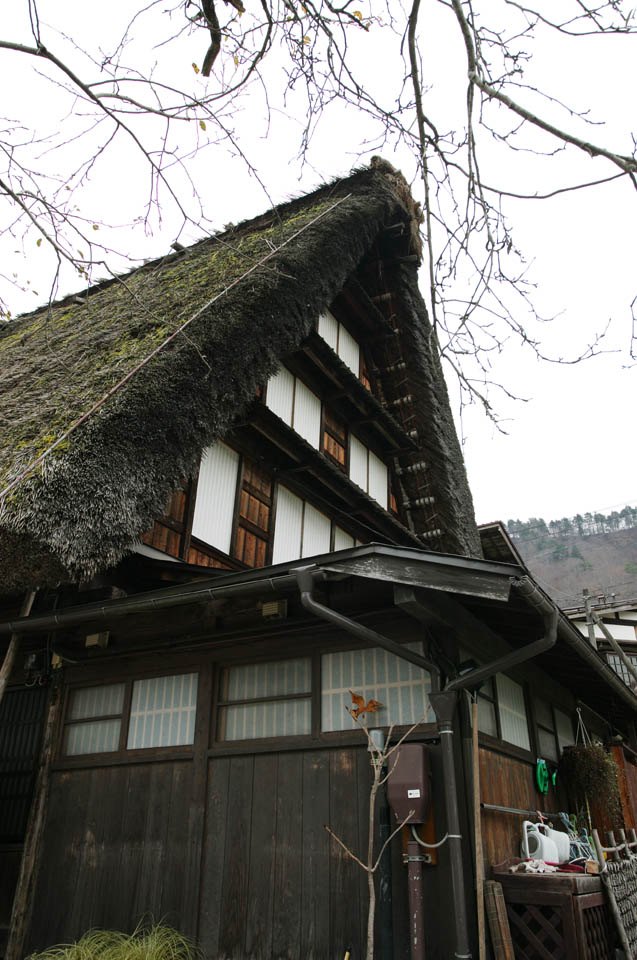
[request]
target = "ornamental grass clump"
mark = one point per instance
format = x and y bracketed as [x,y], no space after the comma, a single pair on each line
[155,942]
[590,776]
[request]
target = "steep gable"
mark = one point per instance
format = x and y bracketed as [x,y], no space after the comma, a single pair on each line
[249,297]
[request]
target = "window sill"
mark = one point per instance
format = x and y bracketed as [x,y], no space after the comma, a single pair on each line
[508,749]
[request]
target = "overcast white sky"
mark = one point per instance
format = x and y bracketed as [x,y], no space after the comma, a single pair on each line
[570,448]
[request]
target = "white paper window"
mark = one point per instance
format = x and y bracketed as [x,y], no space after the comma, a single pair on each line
[342,540]
[377,480]
[340,340]
[288,527]
[216,492]
[307,414]
[328,329]
[163,712]
[275,700]
[317,529]
[95,735]
[300,530]
[564,723]
[280,395]
[348,349]
[368,471]
[291,400]
[513,720]
[358,462]
[401,687]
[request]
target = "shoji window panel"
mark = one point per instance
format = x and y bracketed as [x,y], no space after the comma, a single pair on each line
[274,700]
[163,712]
[513,720]
[400,686]
[368,471]
[288,527]
[378,479]
[317,529]
[358,462]
[291,400]
[99,710]
[280,395]
[216,492]
[300,530]
[328,329]
[307,414]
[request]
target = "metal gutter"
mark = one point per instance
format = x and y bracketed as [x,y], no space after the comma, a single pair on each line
[158,600]
[550,616]
[305,578]
[240,583]
[569,633]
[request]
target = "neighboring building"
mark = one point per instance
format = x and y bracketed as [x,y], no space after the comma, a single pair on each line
[268,510]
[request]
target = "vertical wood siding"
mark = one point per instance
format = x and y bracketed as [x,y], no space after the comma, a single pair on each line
[256,876]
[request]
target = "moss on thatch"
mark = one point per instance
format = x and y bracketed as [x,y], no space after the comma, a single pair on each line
[85,506]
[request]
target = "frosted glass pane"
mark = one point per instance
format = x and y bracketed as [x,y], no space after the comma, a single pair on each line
[97,701]
[401,687]
[486,718]
[358,462]
[163,712]
[317,529]
[513,720]
[279,396]
[269,679]
[342,540]
[348,349]
[307,414]
[548,749]
[253,721]
[377,479]
[564,729]
[100,736]
[328,329]
[216,491]
[543,713]
[287,527]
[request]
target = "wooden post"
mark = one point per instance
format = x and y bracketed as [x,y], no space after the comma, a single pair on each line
[14,644]
[477,821]
[25,889]
[498,921]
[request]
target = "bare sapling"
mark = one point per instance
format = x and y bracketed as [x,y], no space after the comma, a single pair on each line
[381,771]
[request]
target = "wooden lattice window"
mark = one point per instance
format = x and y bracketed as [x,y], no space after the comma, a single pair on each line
[255,510]
[334,438]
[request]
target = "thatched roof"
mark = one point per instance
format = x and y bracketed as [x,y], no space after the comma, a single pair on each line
[84,507]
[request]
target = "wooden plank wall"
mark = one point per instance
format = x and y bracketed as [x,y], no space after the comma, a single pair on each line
[114,850]
[256,877]
[508,782]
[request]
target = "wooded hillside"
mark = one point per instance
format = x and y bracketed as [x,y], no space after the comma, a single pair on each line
[592,551]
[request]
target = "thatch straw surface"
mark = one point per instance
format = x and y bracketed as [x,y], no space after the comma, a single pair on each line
[84,507]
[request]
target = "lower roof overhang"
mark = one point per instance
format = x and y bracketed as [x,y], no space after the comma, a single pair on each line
[470,596]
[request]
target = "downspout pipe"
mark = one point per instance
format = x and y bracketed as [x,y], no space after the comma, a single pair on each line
[305,578]
[444,705]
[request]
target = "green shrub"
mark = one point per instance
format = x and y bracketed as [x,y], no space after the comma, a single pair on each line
[154,942]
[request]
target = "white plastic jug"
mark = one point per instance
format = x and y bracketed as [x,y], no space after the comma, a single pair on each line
[562,843]
[536,845]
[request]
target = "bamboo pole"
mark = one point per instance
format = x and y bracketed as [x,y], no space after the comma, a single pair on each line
[477,821]
[14,645]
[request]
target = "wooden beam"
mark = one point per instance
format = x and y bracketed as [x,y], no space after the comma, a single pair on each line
[14,645]
[24,898]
